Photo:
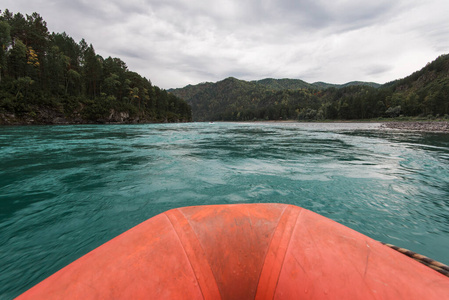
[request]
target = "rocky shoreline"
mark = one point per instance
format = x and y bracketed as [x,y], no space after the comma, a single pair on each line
[44,116]
[437,126]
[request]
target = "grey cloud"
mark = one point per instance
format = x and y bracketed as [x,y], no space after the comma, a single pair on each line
[126,52]
[377,69]
[436,34]
[189,41]
[319,14]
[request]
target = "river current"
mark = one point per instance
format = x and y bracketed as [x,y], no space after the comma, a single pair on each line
[65,190]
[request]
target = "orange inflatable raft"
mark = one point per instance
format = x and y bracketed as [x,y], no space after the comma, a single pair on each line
[243,251]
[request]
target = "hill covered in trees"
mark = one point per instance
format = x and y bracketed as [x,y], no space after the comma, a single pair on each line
[48,78]
[424,93]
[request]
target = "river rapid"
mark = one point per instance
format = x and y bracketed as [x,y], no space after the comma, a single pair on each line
[65,190]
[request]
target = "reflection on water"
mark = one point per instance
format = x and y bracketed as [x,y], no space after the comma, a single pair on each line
[64,190]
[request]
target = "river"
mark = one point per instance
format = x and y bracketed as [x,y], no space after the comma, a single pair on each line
[64,190]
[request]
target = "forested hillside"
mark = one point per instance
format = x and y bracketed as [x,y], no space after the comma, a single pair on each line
[49,78]
[424,93]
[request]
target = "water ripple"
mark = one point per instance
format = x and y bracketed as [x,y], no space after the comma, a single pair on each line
[65,190]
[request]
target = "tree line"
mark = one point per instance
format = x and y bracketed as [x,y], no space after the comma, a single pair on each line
[46,75]
[425,93]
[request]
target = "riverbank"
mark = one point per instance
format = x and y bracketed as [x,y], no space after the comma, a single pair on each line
[54,117]
[423,126]
[406,125]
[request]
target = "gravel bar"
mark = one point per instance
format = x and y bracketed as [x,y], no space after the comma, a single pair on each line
[418,126]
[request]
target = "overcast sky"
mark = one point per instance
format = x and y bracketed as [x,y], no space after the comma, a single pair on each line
[180,42]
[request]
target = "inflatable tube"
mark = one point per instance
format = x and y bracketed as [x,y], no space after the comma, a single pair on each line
[243,251]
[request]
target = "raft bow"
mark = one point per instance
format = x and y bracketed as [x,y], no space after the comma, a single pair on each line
[242,251]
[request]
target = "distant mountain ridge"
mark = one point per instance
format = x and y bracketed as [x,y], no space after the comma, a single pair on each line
[229,98]
[423,93]
[283,84]
[271,83]
[325,85]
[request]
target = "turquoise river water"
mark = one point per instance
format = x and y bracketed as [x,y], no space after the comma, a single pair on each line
[64,190]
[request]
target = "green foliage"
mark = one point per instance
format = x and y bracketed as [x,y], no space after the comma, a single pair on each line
[393,112]
[44,75]
[283,84]
[5,40]
[425,92]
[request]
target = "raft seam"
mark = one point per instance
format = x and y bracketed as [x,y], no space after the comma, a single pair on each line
[269,246]
[287,213]
[367,260]
[183,249]
[288,247]
[272,236]
[199,266]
